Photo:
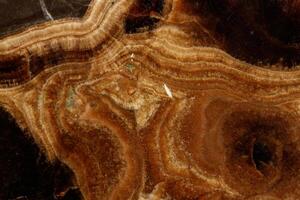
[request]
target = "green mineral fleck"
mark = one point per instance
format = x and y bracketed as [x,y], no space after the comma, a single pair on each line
[130,67]
[70,98]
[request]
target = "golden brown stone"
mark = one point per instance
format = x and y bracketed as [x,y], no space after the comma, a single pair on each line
[152,112]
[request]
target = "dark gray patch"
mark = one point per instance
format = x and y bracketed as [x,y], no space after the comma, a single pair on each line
[16,15]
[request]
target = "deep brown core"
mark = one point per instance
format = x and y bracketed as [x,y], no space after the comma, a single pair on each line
[260,32]
[258,139]
[261,155]
[255,140]
[25,172]
[143,15]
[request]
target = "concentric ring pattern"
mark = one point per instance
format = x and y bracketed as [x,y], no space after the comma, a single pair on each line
[154,110]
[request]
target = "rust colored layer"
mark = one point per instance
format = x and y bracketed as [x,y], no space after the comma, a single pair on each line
[161,111]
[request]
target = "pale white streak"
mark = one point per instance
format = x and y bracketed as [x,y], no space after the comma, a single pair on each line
[168,91]
[131,57]
[45,11]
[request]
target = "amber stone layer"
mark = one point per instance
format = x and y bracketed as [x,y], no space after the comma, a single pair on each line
[142,101]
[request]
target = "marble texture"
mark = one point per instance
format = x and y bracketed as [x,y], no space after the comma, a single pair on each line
[146,100]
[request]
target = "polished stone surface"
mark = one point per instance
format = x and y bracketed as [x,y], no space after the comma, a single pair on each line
[158,99]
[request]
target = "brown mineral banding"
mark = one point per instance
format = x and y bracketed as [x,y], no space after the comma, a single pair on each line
[149,100]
